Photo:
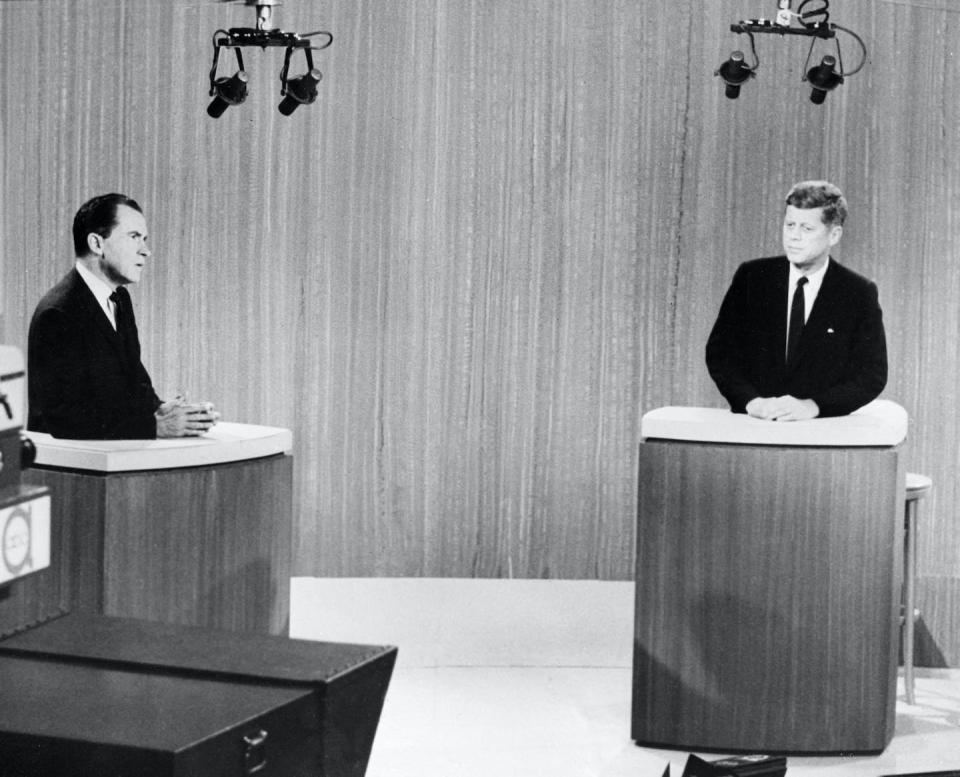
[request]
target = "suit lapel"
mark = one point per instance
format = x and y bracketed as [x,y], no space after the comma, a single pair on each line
[95,313]
[778,301]
[826,301]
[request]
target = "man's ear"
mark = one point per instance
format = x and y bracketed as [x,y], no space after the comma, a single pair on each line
[95,243]
[836,232]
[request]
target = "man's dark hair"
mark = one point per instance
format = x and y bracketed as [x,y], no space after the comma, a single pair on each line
[98,216]
[820,194]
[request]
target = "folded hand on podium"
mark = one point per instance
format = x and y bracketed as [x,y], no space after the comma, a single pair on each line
[785,408]
[179,418]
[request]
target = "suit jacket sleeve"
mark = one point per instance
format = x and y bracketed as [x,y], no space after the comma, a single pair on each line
[865,369]
[725,347]
[78,386]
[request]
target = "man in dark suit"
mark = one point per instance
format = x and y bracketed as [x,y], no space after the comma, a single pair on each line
[85,377]
[800,336]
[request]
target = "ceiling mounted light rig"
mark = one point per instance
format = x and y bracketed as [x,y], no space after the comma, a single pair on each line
[232,90]
[811,19]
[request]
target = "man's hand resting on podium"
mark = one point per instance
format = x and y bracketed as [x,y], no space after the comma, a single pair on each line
[785,408]
[177,418]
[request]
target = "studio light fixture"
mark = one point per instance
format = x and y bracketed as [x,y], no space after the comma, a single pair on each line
[227,91]
[734,72]
[299,91]
[823,78]
[811,19]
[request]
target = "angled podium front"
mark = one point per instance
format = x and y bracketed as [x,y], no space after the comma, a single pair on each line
[194,531]
[768,574]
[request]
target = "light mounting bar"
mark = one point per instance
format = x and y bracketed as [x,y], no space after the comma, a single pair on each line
[811,20]
[228,91]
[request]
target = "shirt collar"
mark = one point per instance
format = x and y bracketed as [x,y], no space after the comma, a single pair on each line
[97,285]
[814,280]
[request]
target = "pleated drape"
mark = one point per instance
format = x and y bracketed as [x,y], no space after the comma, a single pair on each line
[500,235]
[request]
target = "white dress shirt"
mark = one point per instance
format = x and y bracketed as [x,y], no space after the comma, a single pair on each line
[101,291]
[810,290]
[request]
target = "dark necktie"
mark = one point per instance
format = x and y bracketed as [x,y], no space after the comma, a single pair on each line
[123,315]
[796,320]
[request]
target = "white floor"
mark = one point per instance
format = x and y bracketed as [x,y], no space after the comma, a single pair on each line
[485,684]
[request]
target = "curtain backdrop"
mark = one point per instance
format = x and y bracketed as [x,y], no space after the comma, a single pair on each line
[498,237]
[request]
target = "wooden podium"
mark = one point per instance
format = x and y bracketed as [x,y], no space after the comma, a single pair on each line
[768,574]
[192,531]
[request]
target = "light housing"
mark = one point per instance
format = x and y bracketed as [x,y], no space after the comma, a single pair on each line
[227,92]
[823,78]
[301,90]
[734,73]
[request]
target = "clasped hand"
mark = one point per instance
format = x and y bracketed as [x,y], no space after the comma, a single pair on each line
[785,408]
[178,418]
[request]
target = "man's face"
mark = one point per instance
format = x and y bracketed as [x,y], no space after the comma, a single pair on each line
[123,253]
[806,239]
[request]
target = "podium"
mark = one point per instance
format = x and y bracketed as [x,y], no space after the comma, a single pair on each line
[768,574]
[193,531]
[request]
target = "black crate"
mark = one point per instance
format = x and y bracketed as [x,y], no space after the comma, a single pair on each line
[346,683]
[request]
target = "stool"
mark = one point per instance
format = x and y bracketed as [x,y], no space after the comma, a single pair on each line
[918,486]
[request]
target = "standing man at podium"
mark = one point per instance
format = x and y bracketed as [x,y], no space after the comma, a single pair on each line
[85,377]
[800,335]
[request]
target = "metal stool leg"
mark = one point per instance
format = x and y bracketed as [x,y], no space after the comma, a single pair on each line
[909,578]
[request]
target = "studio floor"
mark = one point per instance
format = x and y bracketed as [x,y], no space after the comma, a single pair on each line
[510,678]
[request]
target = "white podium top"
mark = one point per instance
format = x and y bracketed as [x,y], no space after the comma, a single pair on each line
[881,423]
[224,443]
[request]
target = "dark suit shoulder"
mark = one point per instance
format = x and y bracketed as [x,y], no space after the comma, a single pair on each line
[69,293]
[845,288]
[764,269]
[848,276]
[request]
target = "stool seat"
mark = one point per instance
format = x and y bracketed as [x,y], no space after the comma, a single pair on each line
[917,487]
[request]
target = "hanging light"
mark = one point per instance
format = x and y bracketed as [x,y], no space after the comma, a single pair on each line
[823,78]
[233,90]
[810,20]
[734,73]
[299,91]
[227,92]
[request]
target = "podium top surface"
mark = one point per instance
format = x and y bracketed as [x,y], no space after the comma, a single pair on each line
[881,423]
[225,442]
